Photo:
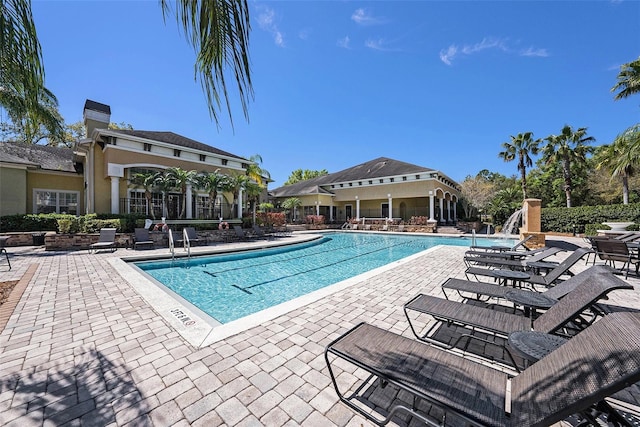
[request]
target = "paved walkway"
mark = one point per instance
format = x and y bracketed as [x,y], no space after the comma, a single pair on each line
[83,348]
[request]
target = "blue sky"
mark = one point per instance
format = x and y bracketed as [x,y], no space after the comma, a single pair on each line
[337,83]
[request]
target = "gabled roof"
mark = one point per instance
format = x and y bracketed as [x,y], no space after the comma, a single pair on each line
[173,139]
[376,168]
[39,156]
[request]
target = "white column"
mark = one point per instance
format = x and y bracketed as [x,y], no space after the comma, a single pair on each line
[317,208]
[455,213]
[240,204]
[441,209]
[431,206]
[115,195]
[331,211]
[189,211]
[357,208]
[390,201]
[448,209]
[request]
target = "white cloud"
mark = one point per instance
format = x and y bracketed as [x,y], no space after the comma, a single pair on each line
[266,22]
[449,54]
[364,17]
[344,42]
[534,52]
[378,44]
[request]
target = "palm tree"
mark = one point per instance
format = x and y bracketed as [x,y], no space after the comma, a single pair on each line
[164,183]
[218,30]
[520,147]
[567,148]
[253,195]
[628,80]
[147,181]
[255,171]
[181,178]
[213,183]
[292,204]
[622,158]
[235,184]
[21,69]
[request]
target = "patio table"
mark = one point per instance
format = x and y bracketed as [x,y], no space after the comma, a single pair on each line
[534,345]
[515,276]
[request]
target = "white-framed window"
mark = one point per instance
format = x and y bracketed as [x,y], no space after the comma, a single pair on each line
[55,201]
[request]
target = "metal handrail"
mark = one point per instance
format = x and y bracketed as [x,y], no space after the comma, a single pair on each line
[186,242]
[172,248]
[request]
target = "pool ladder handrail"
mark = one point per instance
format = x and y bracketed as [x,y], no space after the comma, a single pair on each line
[187,243]
[172,248]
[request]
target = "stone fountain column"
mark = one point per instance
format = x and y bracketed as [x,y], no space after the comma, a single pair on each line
[531,223]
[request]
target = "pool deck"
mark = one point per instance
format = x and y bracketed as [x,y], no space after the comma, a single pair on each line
[85,348]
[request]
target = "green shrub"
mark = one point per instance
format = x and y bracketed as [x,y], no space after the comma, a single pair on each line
[568,220]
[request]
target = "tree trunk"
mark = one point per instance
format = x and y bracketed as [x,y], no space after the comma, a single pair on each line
[566,170]
[625,189]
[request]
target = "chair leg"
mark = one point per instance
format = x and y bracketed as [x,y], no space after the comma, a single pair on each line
[6,254]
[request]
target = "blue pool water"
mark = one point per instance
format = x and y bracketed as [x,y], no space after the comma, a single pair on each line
[231,286]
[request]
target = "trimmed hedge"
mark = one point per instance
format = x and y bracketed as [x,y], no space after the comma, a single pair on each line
[63,223]
[588,218]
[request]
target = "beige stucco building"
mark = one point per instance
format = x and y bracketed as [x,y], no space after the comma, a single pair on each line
[95,176]
[382,189]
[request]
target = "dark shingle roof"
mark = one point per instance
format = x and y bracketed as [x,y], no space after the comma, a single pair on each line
[42,156]
[376,168]
[175,139]
[97,106]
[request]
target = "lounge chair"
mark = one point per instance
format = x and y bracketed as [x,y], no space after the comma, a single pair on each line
[563,318]
[240,234]
[260,233]
[142,238]
[612,250]
[520,244]
[107,240]
[535,279]
[573,379]
[506,254]
[515,264]
[192,237]
[485,291]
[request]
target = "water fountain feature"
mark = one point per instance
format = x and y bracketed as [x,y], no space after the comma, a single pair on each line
[512,225]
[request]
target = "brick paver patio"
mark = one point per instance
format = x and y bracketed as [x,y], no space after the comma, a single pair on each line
[83,348]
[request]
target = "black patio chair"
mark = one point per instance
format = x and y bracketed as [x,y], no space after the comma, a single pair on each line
[107,240]
[142,239]
[612,251]
[574,312]
[573,380]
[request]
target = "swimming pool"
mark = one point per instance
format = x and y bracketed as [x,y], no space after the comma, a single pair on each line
[231,286]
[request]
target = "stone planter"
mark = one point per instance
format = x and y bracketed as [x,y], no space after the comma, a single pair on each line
[618,225]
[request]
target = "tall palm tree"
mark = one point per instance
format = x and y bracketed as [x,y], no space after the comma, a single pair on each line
[21,69]
[218,30]
[568,147]
[236,183]
[165,184]
[628,80]
[253,192]
[520,147]
[181,178]
[147,181]
[213,183]
[255,171]
[292,204]
[622,158]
